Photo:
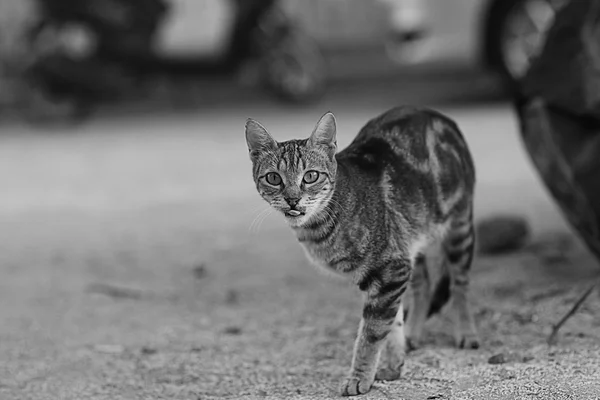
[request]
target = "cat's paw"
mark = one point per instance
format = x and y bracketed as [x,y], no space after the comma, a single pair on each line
[355,385]
[468,340]
[388,374]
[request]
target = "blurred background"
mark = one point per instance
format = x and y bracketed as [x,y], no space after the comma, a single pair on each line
[62,59]
[137,259]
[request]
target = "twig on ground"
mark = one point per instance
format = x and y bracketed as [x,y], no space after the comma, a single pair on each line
[572,311]
[114,291]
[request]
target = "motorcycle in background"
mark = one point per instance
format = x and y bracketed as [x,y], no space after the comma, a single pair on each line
[85,53]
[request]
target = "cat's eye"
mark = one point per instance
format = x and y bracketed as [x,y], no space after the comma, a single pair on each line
[273,178]
[311,177]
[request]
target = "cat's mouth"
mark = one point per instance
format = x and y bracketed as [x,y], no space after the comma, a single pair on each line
[293,213]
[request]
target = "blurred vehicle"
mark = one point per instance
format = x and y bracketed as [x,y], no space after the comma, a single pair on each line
[84,53]
[260,35]
[501,35]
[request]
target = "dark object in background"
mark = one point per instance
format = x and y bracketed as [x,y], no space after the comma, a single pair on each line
[501,234]
[87,52]
[120,58]
[514,33]
[559,112]
[290,63]
[558,104]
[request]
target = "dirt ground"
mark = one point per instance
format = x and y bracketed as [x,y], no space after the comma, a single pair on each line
[135,263]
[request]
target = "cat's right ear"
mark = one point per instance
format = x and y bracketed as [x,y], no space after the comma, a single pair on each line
[324,134]
[257,138]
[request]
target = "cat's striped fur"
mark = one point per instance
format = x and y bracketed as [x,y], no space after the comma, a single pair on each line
[394,209]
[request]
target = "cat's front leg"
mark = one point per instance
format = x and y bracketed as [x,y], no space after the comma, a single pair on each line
[390,366]
[381,307]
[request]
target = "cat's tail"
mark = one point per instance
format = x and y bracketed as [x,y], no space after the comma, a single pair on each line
[441,294]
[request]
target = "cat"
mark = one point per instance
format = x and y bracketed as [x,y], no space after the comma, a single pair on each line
[390,211]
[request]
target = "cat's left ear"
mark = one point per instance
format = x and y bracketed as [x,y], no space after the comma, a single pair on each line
[324,133]
[257,138]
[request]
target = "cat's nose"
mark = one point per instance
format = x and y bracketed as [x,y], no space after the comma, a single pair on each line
[292,201]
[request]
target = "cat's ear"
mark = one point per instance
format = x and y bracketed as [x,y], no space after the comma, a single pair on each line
[257,138]
[324,133]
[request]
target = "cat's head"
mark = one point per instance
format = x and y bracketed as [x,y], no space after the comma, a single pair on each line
[295,177]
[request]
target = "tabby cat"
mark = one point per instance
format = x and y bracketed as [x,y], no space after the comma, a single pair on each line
[391,212]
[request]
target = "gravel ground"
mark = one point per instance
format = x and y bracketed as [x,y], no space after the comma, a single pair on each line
[135,264]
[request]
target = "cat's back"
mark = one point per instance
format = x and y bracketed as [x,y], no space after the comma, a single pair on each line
[414,140]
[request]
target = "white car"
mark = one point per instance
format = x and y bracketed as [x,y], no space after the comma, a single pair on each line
[501,35]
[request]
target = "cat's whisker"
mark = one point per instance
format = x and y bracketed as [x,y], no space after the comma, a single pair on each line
[261,221]
[323,214]
[265,215]
[335,202]
[326,208]
[331,215]
[328,216]
[258,217]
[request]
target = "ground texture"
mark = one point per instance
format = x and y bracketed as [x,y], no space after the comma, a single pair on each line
[135,263]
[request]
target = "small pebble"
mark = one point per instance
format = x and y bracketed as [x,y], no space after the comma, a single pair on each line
[148,350]
[233,330]
[497,359]
[504,374]
[200,271]
[525,318]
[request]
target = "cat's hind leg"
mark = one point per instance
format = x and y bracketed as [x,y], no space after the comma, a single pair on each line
[419,302]
[459,250]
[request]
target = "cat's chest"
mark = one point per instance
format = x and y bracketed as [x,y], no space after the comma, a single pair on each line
[341,253]
[328,260]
